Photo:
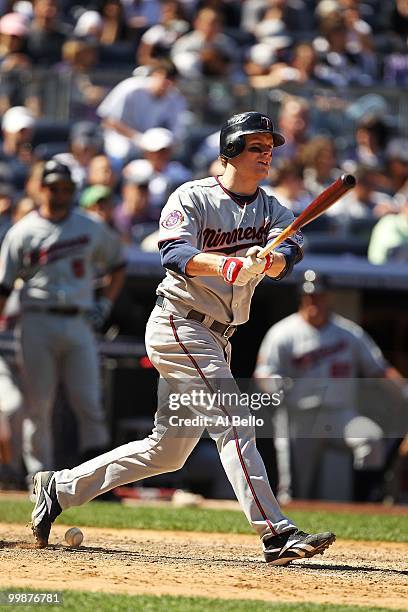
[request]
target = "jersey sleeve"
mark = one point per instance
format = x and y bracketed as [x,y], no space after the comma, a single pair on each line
[371,361]
[109,253]
[178,231]
[11,261]
[292,247]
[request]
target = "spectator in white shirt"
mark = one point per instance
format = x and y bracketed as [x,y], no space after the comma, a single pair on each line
[139,103]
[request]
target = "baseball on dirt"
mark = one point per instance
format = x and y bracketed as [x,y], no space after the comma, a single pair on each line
[74,536]
[185,499]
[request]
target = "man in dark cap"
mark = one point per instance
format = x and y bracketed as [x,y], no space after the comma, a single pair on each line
[56,251]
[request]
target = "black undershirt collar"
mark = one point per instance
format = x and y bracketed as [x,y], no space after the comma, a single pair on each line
[239,198]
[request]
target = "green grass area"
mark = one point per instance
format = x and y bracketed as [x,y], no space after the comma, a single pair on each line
[354,526]
[75,600]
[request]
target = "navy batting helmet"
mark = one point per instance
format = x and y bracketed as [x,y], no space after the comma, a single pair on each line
[232,141]
[313,283]
[54,171]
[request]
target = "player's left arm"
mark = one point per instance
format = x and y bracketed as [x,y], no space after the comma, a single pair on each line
[109,254]
[112,286]
[114,282]
[279,266]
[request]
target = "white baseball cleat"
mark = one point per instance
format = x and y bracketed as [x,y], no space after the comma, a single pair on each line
[292,545]
[46,508]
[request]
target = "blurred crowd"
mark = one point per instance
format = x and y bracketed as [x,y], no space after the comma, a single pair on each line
[130,144]
[336,42]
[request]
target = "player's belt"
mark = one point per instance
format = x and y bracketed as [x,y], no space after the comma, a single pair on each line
[219,328]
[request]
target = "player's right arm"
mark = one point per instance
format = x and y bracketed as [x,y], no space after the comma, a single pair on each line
[180,225]
[234,270]
[204,264]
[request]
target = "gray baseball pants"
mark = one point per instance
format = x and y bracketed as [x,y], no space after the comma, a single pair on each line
[58,348]
[315,447]
[188,356]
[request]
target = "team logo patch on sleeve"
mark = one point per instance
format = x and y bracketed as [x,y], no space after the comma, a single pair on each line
[173,219]
[297,238]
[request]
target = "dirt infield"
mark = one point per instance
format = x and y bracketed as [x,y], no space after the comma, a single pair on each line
[210,565]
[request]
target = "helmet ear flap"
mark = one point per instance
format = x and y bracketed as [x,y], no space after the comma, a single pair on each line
[239,144]
[235,146]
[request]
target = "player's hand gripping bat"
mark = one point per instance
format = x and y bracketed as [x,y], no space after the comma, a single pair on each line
[318,206]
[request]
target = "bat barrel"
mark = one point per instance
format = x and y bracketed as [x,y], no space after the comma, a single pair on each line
[348,180]
[328,197]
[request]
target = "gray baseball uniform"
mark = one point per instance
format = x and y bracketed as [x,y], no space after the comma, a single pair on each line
[57,262]
[200,216]
[320,409]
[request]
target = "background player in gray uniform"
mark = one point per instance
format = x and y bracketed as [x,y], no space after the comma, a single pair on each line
[322,355]
[56,250]
[210,233]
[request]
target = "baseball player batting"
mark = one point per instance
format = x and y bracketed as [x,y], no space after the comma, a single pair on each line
[210,233]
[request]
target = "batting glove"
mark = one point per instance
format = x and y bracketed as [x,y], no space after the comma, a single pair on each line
[234,271]
[258,265]
[100,312]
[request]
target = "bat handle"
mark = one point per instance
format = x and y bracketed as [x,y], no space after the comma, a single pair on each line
[278,240]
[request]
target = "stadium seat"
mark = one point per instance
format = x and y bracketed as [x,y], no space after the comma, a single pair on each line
[47,150]
[48,130]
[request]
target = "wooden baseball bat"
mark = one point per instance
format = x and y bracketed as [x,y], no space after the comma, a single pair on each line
[323,201]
